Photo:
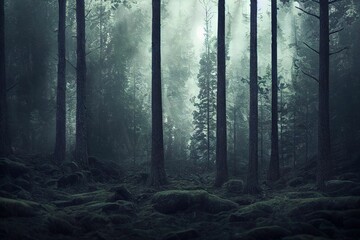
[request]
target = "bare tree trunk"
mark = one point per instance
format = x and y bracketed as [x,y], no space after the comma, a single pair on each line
[157,172]
[324,148]
[221,140]
[274,168]
[252,183]
[235,172]
[81,151]
[5,143]
[60,139]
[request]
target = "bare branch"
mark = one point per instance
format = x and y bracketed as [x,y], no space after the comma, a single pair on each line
[334,1]
[336,31]
[67,60]
[310,76]
[339,51]
[309,13]
[315,1]
[92,50]
[12,86]
[316,51]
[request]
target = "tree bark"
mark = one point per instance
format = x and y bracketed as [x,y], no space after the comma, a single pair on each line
[60,139]
[252,183]
[221,140]
[274,168]
[157,171]
[5,143]
[81,151]
[324,148]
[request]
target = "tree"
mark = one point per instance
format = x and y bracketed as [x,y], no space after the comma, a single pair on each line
[324,148]
[81,151]
[274,171]
[221,140]
[60,138]
[157,171]
[5,145]
[203,139]
[252,182]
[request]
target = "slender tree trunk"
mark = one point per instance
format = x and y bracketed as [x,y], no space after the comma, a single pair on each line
[252,183]
[221,140]
[235,142]
[157,171]
[324,148]
[274,168]
[5,144]
[60,139]
[81,151]
[261,123]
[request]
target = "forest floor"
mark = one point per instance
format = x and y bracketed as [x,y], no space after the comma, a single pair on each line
[39,200]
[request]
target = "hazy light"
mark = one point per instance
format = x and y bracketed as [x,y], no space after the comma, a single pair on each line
[200,33]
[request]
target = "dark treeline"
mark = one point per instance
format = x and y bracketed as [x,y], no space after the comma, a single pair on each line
[106,112]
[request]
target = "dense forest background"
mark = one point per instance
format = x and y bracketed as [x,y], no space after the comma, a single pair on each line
[111,46]
[118,55]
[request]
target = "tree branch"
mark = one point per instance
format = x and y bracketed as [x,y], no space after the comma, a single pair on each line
[309,13]
[310,76]
[336,31]
[316,51]
[12,86]
[338,51]
[334,1]
[67,60]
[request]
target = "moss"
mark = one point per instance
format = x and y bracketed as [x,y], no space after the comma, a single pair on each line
[268,232]
[173,201]
[17,208]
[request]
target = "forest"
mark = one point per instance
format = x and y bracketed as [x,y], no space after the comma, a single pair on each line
[180,119]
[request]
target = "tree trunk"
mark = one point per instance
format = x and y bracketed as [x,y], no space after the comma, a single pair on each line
[81,151]
[60,139]
[274,168]
[157,172]
[324,148]
[235,142]
[221,141]
[5,144]
[252,183]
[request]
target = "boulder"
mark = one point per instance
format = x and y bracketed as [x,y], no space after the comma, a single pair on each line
[234,186]
[17,208]
[120,193]
[173,201]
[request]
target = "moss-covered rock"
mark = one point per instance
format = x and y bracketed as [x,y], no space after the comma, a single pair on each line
[295,182]
[120,193]
[12,168]
[17,208]
[173,201]
[268,232]
[252,212]
[182,235]
[234,186]
[58,225]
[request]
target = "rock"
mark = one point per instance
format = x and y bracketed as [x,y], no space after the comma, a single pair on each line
[17,208]
[173,201]
[251,213]
[304,237]
[340,187]
[268,232]
[234,186]
[71,180]
[12,168]
[121,193]
[297,195]
[295,182]
[182,235]
[303,206]
[58,225]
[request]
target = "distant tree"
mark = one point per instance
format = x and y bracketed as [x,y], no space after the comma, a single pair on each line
[5,144]
[203,138]
[60,138]
[81,151]
[221,139]
[274,169]
[157,171]
[252,182]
